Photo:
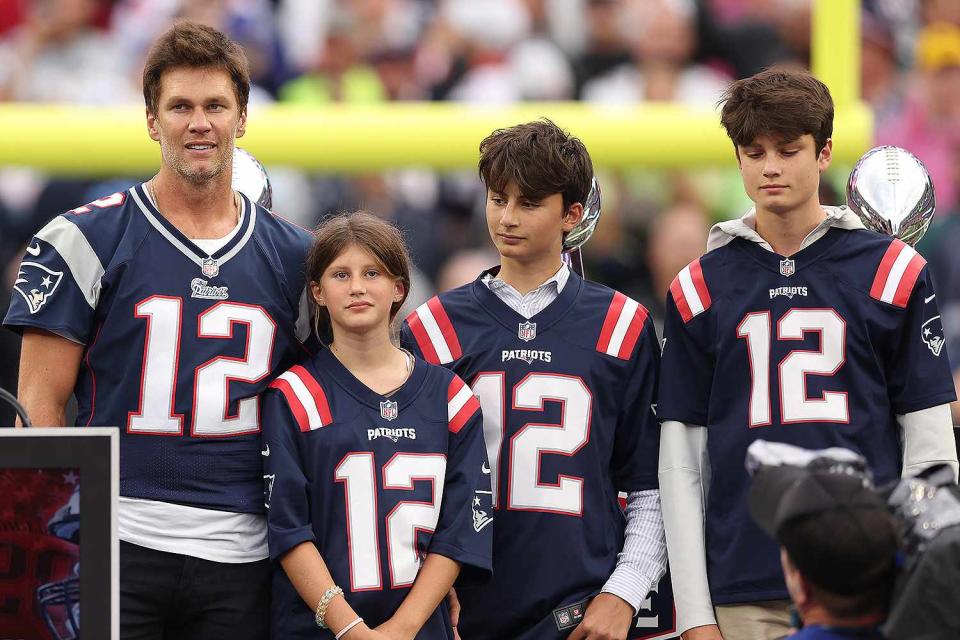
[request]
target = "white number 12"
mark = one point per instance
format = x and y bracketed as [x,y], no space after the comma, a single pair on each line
[795,405]
[211,390]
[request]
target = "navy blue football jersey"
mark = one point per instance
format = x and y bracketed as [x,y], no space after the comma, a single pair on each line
[568,421]
[822,349]
[376,483]
[178,344]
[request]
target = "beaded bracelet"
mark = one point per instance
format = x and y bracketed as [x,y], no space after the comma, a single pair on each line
[325,599]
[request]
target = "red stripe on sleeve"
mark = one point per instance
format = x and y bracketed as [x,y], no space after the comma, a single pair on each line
[610,322]
[633,333]
[299,413]
[316,391]
[454,387]
[677,292]
[909,278]
[423,339]
[696,274]
[446,327]
[469,409]
[880,281]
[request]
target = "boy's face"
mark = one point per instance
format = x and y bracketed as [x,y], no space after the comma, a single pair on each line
[528,230]
[782,175]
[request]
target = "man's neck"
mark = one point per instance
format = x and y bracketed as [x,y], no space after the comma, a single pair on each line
[786,231]
[816,614]
[525,277]
[207,210]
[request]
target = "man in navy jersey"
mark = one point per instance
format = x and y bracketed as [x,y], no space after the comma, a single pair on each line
[166,309]
[797,326]
[566,371]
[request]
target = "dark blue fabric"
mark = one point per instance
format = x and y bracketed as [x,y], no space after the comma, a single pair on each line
[307,499]
[191,467]
[545,558]
[819,632]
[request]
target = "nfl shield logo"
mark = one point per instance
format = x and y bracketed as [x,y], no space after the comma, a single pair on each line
[210,268]
[528,331]
[388,410]
[787,267]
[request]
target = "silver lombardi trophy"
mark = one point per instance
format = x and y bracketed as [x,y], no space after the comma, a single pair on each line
[892,192]
[579,235]
[251,179]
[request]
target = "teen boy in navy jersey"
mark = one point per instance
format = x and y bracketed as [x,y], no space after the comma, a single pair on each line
[566,373]
[799,326]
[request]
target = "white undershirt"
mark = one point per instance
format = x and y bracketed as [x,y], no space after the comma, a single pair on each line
[219,536]
[208,245]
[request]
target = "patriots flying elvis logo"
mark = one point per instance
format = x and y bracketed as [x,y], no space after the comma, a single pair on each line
[932,335]
[36,283]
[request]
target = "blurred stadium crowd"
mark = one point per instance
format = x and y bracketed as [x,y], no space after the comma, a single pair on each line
[494,52]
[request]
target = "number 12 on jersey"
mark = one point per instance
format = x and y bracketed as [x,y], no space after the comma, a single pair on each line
[795,405]
[211,389]
[533,440]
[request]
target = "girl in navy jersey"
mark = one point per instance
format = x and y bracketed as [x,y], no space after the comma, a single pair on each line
[375,470]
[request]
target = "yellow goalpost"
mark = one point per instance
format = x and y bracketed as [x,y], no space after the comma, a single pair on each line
[92,141]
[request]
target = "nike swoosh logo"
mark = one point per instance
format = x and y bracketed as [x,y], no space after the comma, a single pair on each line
[34,251]
[484,468]
[266,451]
[927,300]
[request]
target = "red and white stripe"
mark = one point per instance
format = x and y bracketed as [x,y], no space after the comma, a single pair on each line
[622,327]
[898,273]
[434,333]
[461,404]
[690,292]
[306,398]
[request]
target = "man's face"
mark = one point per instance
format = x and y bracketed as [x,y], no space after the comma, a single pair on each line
[782,175]
[528,230]
[197,121]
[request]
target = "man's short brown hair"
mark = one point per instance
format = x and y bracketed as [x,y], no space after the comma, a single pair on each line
[783,103]
[541,158]
[190,44]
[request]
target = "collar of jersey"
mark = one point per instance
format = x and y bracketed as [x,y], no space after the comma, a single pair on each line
[183,243]
[802,259]
[327,362]
[745,227]
[502,313]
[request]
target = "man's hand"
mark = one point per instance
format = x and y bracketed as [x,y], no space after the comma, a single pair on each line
[706,632]
[607,618]
[453,605]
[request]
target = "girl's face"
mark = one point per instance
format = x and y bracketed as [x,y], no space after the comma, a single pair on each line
[357,292]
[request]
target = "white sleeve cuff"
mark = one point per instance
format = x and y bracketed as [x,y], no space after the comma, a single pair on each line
[928,439]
